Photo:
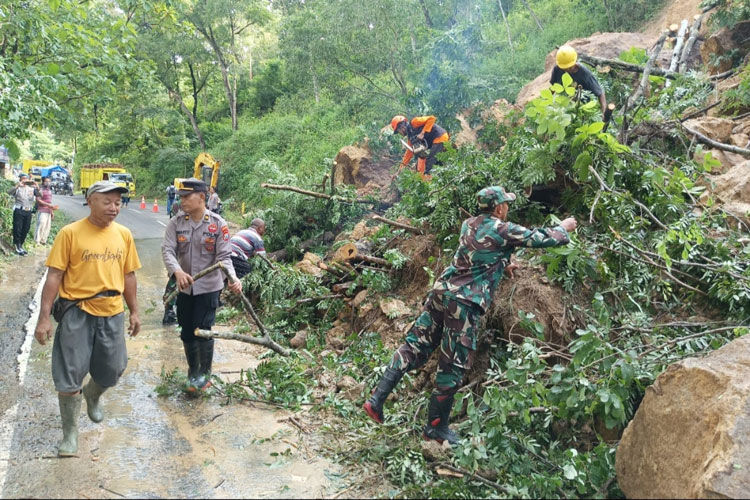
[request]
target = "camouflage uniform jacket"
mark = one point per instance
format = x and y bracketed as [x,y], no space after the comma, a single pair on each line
[484,250]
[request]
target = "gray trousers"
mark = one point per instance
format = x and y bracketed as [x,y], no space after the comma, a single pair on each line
[88,344]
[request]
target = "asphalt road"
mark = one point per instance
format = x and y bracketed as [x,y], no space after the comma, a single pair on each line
[144,224]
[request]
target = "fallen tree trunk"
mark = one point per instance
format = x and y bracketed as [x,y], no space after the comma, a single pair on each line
[400,225]
[715,144]
[682,66]
[634,68]
[677,52]
[315,194]
[644,83]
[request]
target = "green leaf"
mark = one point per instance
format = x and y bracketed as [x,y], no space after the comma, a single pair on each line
[595,127]
[569,471]
[567,80]
[53,69]
[581,166]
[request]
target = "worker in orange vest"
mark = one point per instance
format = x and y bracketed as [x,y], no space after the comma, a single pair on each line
[425,139]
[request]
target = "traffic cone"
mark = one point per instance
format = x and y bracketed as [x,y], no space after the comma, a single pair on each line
[156,206]
[143,203]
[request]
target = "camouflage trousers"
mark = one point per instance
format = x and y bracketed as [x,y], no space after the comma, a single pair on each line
[449,324]
[171,287]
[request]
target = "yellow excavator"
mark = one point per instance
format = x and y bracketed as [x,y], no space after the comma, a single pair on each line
[206,168]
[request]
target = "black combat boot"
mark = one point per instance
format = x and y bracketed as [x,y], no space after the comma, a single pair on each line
[438,414]
[207,356]
[374,406]
[193,356]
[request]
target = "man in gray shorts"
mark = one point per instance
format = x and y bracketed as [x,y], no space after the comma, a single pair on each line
[91,264]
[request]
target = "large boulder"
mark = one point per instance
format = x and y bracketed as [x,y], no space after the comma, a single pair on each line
[715,52]
[732,189]
[690,437]
[605,45]
[718,129]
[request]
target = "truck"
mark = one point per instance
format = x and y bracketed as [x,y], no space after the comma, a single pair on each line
[113,172]
[34,168]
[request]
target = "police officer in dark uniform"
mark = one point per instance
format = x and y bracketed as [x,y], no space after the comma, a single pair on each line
[195,239]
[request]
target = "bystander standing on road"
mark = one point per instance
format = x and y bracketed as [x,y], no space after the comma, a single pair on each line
[24,196]
[91,264]
[44,212]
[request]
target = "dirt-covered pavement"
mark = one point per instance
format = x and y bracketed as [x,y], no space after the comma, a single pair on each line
[148,446]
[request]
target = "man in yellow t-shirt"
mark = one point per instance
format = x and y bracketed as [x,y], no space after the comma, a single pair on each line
[92,264]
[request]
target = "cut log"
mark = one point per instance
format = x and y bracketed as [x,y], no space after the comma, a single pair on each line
[350,251]
[694,32]
[345,253]
[677,52]
[400,225]
[673,27]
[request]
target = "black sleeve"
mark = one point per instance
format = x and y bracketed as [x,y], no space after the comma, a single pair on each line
[590,83]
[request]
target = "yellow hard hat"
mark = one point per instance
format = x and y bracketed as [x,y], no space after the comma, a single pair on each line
[566,57]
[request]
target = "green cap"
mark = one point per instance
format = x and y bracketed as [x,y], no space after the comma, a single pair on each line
[491,196]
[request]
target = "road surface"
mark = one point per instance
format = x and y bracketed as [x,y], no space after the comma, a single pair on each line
[148,446]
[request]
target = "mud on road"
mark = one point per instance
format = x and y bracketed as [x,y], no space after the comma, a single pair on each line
[147,446]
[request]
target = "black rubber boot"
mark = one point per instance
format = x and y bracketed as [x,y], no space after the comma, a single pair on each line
[170,316]
[374,406]
[438,415]
[207,357]
[193,356]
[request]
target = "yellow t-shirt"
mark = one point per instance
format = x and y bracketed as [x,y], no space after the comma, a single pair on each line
[94,259]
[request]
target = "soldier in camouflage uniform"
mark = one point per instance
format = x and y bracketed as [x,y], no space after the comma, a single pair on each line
[461,294]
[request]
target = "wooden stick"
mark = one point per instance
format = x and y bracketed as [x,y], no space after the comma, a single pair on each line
[474,475]
[399,225]
[262,256]
[201,274]
[643,207]
[262,341]
[718,145]
[315,194]
[372,260]
[700,111]
[266,340]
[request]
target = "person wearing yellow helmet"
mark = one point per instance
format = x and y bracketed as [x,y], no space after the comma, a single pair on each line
[567,62]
